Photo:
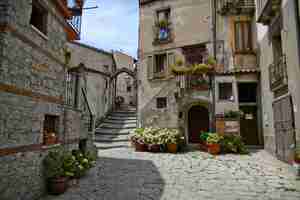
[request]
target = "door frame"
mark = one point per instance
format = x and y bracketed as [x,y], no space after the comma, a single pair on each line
[186,116]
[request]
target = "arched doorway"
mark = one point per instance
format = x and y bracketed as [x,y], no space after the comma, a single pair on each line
[198,120]
[125,87]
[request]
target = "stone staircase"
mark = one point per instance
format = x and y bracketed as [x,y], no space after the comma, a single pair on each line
[113,132]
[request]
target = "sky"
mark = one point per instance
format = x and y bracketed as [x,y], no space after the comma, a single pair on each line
[112,26]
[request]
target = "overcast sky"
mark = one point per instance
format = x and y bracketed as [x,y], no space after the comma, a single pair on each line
[112,26]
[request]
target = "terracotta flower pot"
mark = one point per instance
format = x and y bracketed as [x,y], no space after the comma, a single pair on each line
[139,146]
[214,148]
[50,139]
[57,185]
[155,148]
[203,146]
[172,148]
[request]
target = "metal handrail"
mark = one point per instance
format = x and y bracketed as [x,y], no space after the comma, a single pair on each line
[278,73]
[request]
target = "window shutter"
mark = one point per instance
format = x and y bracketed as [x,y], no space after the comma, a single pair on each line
[150,67]
[171,61]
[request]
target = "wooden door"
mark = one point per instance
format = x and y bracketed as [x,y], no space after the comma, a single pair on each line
[248,124]
[284,128]
[198,121]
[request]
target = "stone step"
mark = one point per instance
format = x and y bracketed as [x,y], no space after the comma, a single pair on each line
[113,145]
[115,114]
[111,138]
[121,118]
[106,131]
[125,111]
[117,121]
[117,126]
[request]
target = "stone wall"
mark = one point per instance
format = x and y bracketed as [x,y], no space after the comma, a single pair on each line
[99,87]
[183,17]
[32,75]
[290,47]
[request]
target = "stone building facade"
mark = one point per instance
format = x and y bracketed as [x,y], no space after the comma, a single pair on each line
[33,103]
[182,102]
[126,84]
[99,65]
[278,39]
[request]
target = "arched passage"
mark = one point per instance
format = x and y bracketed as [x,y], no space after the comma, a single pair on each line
[126,87]
[198,120]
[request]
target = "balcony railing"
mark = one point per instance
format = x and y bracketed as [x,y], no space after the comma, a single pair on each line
[278,74]
[234,7]
[162,35]
[267,9]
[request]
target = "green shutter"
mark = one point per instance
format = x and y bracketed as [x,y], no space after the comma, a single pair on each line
[150,67]
[171,61]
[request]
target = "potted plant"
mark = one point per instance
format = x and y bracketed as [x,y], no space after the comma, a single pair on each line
[50,138]
[233,144]
[199,83]
[140,145]
[172,137]
[203,140]
[57,177]
[163,30]
[213,143]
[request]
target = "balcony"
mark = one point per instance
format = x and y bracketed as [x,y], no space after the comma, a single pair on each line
[236,7]
[267,10]
[162,35]
[278,74]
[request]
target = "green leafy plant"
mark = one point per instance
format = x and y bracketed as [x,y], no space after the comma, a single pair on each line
[54,164]
[201,68]
[233,114]
[214,138]
[211,61]
[233,144]
[204,136]
[163,24]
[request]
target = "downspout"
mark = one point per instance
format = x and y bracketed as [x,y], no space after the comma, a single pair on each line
[212,77]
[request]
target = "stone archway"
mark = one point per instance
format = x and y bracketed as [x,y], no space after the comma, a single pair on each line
[132,96]
[198,121]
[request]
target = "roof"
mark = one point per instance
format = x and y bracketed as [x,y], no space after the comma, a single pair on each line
[237,70]
[91,47]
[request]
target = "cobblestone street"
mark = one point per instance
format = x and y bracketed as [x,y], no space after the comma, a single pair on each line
[122,174]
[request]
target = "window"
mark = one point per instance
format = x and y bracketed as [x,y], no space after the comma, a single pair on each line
[243,36]
[39,17]
[225,92]
[160,63]
[128,88]
[161,102]
[158,66]
[247,92]
[163,19]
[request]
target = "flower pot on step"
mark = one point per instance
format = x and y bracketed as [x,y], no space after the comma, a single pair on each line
[139,146]
[203,146]
[172,148]
[57,186]
[155,148]
[214,148]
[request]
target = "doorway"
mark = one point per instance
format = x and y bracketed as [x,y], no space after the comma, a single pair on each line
[248,123]
[198,121]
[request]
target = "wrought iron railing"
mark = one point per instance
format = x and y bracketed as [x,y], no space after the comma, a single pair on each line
[278,74]
[162,35]
[71,90]
[236,6]
[87,113]
[266,9]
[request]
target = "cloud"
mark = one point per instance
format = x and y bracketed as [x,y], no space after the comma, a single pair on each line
[114,25]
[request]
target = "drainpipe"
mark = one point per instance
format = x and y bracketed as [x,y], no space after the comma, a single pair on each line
[212,77]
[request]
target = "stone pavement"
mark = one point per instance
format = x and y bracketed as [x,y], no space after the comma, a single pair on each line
[122,174]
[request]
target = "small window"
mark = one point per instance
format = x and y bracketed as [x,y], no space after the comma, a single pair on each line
[161,102]
[247,92]
[225,92]
[243,36]
[160,63]
[50,129]
[128,88]
[39,17]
